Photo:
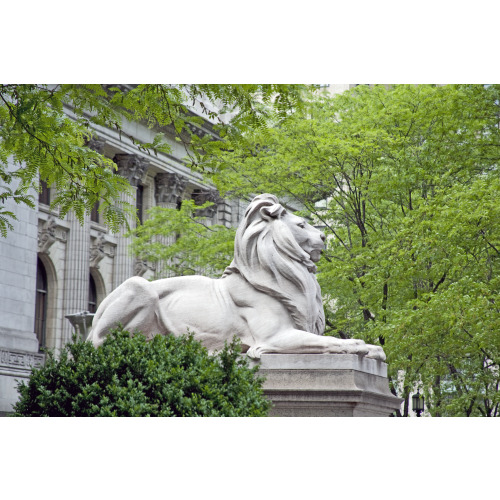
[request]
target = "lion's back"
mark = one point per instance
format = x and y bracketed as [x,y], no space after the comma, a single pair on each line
[196,303]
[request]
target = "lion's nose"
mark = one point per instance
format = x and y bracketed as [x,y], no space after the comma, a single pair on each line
[322,236]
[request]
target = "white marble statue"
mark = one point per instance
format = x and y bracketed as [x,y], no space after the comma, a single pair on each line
[269,296]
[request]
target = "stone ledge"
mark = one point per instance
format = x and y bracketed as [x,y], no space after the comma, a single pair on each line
[18,340]
[325,361]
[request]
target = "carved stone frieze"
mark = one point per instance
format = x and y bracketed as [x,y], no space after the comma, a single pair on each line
[16,359]
[169,187]
[132,167]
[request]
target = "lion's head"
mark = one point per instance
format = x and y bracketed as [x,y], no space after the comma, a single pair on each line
[275,252]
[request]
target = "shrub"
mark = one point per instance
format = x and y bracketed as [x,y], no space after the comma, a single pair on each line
[129,376]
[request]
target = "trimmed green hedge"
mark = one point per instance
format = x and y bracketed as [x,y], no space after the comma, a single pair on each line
[129,376]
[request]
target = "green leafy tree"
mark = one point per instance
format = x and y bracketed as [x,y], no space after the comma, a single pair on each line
[182,243]
[45,144]
[405,182]
[130,376]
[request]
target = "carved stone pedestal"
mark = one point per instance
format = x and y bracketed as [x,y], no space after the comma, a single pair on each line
[326,385]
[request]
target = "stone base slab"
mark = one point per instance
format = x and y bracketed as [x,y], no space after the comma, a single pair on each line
[326,385]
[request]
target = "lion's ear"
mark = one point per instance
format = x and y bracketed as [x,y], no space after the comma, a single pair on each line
[272,212]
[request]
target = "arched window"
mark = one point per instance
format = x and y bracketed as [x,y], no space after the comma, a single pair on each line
[92,295]
[41,303]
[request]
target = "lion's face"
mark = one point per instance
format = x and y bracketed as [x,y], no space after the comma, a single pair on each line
[310,239]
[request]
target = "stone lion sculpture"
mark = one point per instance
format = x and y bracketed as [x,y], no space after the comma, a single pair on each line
[268,296]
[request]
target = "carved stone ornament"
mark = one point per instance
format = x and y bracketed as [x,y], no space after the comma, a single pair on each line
[203,196]
[169,187]
[47,235]
[100,248]
[97,252]
[142,266]
[15,359]
[196,130]
[132,167]
[268,296]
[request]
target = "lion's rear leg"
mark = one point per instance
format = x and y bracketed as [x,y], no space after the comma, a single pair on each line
[133,305]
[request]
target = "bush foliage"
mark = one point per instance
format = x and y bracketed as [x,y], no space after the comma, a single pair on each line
[129,376]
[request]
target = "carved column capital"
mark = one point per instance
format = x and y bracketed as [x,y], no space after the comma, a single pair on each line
[169,187]
[132,167]
[96,144]
[202,196]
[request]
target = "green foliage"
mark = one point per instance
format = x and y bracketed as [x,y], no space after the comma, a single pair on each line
[182,242]
[129,376]
[405,182]
[44,143]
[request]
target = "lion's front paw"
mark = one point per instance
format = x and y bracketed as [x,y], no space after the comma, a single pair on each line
[359,349]
[356,342]
[254,352]
[348,346]
[376,352]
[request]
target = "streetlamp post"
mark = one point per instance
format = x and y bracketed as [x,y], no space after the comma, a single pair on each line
[418,403]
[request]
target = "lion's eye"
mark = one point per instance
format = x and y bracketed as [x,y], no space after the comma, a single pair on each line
[302,225]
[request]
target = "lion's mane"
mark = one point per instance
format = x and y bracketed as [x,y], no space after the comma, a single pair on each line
[268,257]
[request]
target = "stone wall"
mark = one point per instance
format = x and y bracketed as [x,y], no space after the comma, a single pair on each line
[18,343]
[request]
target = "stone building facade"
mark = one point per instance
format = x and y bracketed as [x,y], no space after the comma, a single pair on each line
[51,267]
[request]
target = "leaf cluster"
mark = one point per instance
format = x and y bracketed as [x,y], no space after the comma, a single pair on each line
[129,376]
[45,129]
[182,243]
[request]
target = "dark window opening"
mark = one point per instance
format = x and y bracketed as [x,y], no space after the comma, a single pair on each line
[195,196]
[41,303]
[94,215]
[44,194]
[139,202]
[92,295]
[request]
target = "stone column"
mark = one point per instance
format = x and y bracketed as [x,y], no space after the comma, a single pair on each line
[76,278]
[133,168]
[169,190]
